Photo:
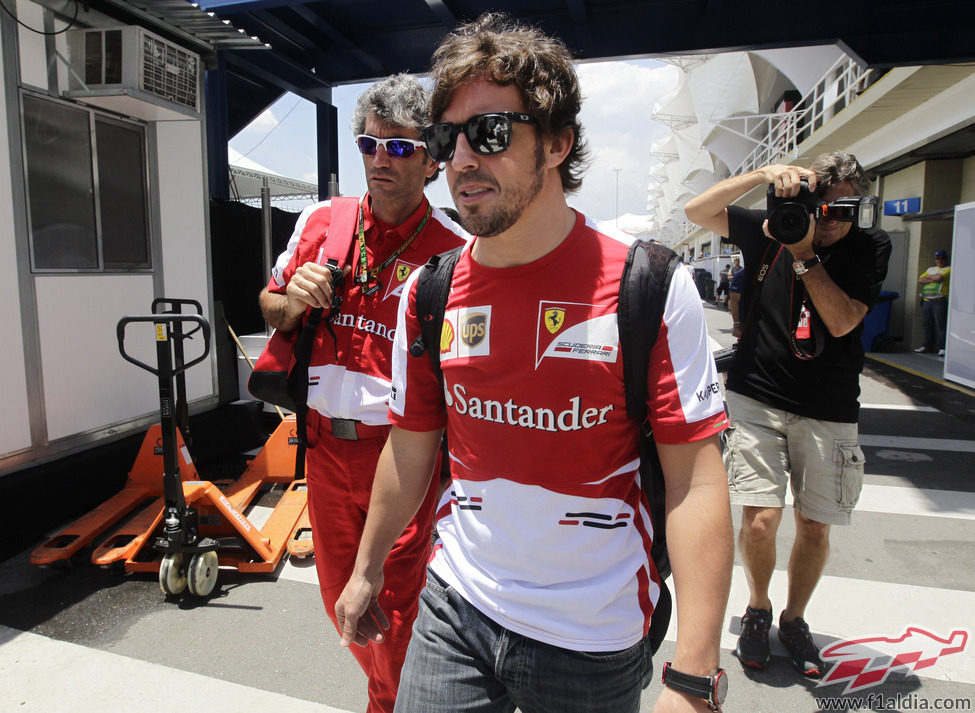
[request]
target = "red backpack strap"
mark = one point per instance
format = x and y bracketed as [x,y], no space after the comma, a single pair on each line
[328,233]
[333,252]
[337,245]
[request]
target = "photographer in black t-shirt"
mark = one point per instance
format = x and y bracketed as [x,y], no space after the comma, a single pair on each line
[794,383]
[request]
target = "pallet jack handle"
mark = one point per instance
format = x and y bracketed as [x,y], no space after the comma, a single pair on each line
[168,305]
[168,328]
[175,306]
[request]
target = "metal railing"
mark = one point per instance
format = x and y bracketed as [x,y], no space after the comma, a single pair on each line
[777,136]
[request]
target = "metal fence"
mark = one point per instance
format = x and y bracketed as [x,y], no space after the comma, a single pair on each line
[777,136]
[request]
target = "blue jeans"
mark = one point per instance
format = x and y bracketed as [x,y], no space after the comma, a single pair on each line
[935,314]
[460,661]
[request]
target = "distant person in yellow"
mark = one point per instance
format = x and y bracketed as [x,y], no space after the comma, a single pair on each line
[934,304]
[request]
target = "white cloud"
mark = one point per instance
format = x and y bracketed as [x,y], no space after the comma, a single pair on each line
[266,120]
[618,101]
[260,126]
[618,98]
[622,90]
[281,138]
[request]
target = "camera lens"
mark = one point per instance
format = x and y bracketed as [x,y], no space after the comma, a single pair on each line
[788,223]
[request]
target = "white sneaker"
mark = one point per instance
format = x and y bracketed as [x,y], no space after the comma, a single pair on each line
[941,352]
[922,350]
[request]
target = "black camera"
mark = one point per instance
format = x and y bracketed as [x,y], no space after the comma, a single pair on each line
[788,218]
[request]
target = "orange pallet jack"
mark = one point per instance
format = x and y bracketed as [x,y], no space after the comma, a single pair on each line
[220,511]
[299,542]
[200,527]
[275,463]
[143,489]
[142,492]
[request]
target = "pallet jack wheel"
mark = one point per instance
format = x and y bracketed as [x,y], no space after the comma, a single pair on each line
[172,575]
[202,573]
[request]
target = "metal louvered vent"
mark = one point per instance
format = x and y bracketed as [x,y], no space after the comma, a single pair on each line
[169,72]
[133,61]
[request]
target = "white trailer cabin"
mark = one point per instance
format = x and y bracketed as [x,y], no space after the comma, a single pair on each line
[103,207]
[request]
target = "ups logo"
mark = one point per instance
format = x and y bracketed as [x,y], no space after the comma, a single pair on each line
[473,329]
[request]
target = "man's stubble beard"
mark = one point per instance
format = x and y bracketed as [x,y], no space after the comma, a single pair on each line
[486,225]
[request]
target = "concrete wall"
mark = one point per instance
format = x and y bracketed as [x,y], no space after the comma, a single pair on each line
[939,184]
[902,270]
[967,187]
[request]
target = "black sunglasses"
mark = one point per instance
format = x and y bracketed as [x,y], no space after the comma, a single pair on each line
[486,133]
[400,148]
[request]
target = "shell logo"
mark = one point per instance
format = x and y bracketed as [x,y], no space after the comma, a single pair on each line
[446,336]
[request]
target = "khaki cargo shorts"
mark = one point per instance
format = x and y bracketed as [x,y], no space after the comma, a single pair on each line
[765,448]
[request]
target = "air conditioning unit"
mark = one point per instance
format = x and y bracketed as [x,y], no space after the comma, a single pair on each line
[132,62]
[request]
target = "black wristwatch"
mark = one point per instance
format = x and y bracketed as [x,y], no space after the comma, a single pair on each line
[802,267]
[712,688]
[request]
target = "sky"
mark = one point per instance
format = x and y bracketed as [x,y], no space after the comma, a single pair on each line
[618,98]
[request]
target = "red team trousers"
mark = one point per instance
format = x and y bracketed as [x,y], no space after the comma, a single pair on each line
[340,474]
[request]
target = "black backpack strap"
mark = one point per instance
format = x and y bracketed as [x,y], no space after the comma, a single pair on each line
[298,385]
[643,293]
[644,286]
[432,290]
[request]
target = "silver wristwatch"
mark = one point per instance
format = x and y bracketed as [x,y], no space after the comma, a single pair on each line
[802,267]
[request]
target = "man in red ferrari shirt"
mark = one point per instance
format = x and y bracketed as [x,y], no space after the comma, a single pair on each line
[540,592]
[397,231]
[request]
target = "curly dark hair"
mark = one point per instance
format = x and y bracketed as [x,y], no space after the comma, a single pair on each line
[839,167]
[500,49]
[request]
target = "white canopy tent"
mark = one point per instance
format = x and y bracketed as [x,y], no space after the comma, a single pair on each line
[248,178]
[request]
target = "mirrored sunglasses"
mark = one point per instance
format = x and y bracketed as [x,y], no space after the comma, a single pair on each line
[400,148]
[486,133]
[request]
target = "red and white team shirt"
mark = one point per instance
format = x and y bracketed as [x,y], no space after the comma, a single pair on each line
[354,384]
[545,528]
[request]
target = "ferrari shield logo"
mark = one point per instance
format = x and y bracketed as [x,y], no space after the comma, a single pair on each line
[403,271]
[554,318]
